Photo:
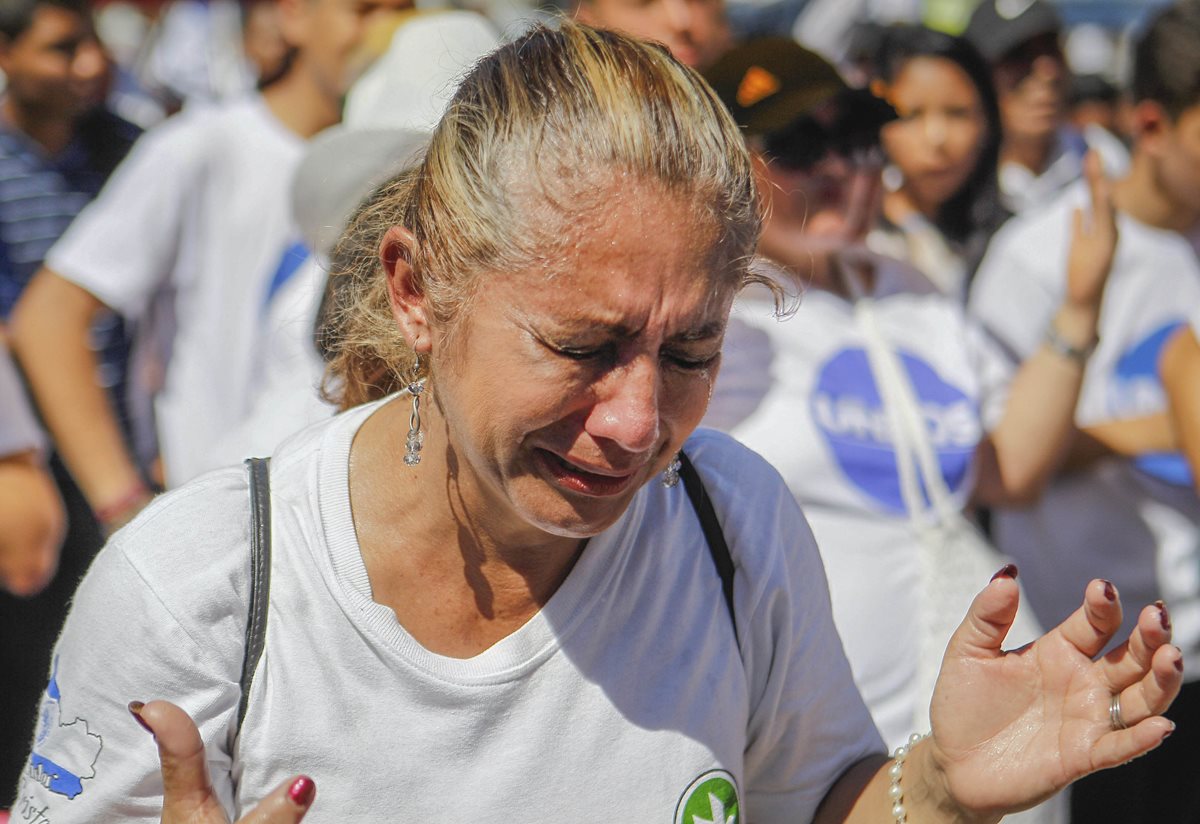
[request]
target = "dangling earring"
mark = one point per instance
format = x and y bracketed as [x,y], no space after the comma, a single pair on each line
[416,438]
[670,476]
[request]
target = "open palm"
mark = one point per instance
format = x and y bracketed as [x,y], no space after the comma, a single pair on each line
[1012,728]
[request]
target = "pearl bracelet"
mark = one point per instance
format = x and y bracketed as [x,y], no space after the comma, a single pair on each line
[896,772]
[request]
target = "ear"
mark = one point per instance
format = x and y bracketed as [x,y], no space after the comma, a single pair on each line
[396,252]
[1150,123]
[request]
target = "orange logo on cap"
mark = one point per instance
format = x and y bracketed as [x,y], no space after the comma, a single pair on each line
[757,83]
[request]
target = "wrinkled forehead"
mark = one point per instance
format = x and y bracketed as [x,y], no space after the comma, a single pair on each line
[568,211]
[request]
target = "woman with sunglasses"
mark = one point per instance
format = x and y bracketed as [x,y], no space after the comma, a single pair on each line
[881,458]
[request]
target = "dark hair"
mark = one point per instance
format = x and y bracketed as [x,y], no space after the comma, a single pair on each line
[974,212]
[16,16]
[1166,60]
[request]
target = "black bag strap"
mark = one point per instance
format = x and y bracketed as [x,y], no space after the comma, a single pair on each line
[713,536]
[260,575]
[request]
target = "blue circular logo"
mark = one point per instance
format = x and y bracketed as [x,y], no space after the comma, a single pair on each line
[849,413]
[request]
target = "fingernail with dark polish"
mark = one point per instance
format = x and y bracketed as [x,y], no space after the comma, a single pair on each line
[135,709]
[1110,591]
[1008,571]
[302,791]
[1163,616]
[1179,664]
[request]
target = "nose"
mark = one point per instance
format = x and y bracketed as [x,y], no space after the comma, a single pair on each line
[1047,67]
[678,14]
[626,410]
[935,129]
[90,63]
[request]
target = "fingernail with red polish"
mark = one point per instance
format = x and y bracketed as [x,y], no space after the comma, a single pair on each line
[1163,617]
[1179,664]
[1008,571]
[135,709]
[302,791]
[1110,591]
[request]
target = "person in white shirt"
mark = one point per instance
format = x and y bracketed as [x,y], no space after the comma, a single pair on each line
[806,393]
[1137,519]
[1041,153]
[492,591]
[190,235]
[941,202]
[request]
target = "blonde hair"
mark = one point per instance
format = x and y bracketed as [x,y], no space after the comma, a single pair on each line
[552,114]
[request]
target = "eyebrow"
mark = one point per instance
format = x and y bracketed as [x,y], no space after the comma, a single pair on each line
[621,331]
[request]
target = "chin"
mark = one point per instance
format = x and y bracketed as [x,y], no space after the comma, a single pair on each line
[568,515]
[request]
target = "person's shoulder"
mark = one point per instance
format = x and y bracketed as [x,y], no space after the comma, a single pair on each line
[752,500]
[203,513]
[1045,221]
[721,455]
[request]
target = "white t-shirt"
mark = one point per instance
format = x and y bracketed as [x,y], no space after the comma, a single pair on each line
[1135,522]
[1023,190]
[197,224]
[624,697]
[286,395]
[801,393]
[19,432]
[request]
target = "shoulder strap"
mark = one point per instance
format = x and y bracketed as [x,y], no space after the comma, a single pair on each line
[260,575]
[713,536]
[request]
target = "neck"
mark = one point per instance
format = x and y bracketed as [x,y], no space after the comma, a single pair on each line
[430,535]
[1031,152]
[53,134]
[300,104]
[1140,195]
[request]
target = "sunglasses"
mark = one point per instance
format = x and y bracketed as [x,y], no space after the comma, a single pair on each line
[852,133]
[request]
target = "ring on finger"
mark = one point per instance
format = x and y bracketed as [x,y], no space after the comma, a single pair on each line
[1115,719]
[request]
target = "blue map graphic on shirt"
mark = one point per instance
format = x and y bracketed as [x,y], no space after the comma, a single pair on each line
[64,755]
[1136,390]
[848,412]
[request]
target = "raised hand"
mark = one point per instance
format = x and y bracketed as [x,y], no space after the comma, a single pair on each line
[188,796]
[1093,239]
[1012,728]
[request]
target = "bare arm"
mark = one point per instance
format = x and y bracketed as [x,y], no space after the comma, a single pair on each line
[1126,438]
[1180,367]
[50,335]
[32,523]
[1029,445]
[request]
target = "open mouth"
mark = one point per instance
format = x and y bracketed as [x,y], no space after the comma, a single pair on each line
[575,479]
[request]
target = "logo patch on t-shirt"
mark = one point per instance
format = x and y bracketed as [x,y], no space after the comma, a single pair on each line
[1136,390]
[64,753]
[710,799]
[848,412]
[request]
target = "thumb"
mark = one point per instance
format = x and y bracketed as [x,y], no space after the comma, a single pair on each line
[989,617]
[187,792]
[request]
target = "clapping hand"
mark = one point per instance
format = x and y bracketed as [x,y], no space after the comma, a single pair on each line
[1010,729]
[188,796]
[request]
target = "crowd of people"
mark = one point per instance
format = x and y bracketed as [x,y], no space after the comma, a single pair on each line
[648,396]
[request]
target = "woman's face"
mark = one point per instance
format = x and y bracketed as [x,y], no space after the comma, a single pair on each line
[565,387]
[941,131]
